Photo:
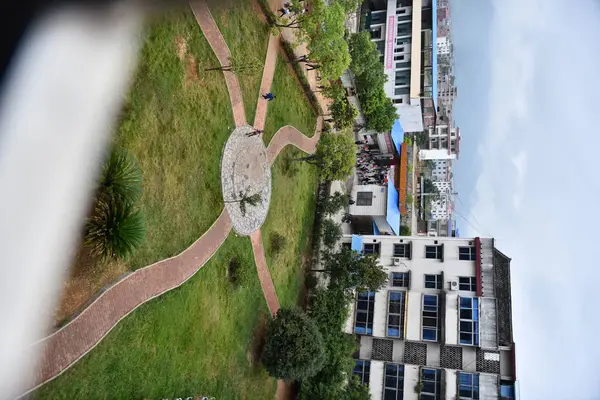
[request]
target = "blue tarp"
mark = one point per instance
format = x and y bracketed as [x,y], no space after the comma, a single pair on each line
[357,243]
[393,211]
[397,135]
[434,66]
[375,229]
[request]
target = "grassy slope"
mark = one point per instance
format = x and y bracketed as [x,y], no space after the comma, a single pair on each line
[246,35]
[290,106]
[292,208]
[189,342]
[170,127]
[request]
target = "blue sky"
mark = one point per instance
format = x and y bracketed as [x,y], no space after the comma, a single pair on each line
[527,88]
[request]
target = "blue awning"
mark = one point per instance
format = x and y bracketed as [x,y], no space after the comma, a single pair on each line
[397,135]
[393,211]
[375,229]
[434,66]
[357,243]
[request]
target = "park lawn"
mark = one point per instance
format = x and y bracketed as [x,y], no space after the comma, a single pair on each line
[175,123]
[247,36]
[194,341]
[291,106]
[291,214]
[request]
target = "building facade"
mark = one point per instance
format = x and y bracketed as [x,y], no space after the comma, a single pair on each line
[443,143]
[402,31]
[441,328]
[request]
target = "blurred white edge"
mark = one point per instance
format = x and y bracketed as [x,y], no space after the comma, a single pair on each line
[58,106]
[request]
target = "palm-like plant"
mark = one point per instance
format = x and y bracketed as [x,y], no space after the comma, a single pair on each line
[116,228]
[121,177]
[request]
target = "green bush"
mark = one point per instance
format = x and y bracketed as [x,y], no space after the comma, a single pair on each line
[335,203]
[332,233]
[121,177]
[278,243]
[115,229]
[294,347]
[405,230]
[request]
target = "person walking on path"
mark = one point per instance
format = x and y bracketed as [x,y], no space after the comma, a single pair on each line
[268,96]
[283,11]
[312,66]
[254,133]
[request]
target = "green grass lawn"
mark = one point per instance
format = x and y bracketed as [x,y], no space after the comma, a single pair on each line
[195,340]
[290,106]
[246,36]
[176,124]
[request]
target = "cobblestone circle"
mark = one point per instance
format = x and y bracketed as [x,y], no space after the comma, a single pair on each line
[245,171]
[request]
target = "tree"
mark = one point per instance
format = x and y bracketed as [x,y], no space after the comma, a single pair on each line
[115,229]
[343,113]
[335,156]
[364,54]
[429,188]
[244,199]
[356,391]
[334,92]
[405,230]
[294,346]
[349,5]
[240,65]
[332,233]
[380,113]
[335,203]
[349,270]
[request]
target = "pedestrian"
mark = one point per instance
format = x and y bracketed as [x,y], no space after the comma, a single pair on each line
[302,58]
[283,11]
[312,66]
[254,133]
[268,96]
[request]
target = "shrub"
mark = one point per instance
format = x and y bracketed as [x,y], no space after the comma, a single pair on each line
[405,230]
[294,348]
[332,233]
[278,243]
[233,270]
[115,229]
[121,177]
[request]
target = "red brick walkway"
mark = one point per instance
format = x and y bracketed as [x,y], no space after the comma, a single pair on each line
[263,272]
[67,345]
[290,135]
[217,43]
[265,84]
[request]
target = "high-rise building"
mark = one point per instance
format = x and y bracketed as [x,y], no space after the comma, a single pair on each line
[441,328]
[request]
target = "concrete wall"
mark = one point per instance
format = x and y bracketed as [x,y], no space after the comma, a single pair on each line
[376,380]
[411,378]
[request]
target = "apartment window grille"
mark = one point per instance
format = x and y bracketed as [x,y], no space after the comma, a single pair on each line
[365,307]
[468,321]
[396,304]
[430,319]
[466,253]
[393,383]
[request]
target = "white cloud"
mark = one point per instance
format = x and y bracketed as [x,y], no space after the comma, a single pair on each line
[536,188]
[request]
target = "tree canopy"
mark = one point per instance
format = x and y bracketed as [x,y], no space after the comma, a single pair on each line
[366,65]
[335,155]
[349,270]
[343,113]
[294,349]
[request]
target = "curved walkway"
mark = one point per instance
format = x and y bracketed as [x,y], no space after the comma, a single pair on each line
[288,135]
[67,345]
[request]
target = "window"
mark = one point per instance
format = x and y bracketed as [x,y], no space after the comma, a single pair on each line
[468,386]
[467,283]
[435,252]
[402,250]
[393,384]
[397,101]
[430,318]
[362,369]
[466,253]
[365,304]
[507,392]
[364,198]
[396,303]
[401,279]
[371,248]
[401,11]
[404,29]
[432,384]
[433,281]
[375,32]
[469,321]
[399,57]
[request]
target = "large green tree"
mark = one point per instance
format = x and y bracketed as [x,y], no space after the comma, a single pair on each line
[349,270]
[343,113]
[335,155]
[294,347]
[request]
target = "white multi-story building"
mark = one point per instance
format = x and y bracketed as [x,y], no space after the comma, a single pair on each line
[444,141]
[442,170]
[441,328]
[443,45]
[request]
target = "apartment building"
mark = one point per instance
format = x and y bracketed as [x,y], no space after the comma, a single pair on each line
[404,32]
[443,143]
[442,326]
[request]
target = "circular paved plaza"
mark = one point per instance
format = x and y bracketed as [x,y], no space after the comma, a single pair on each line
[245,172]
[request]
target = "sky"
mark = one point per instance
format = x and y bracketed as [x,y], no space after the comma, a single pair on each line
[527,78]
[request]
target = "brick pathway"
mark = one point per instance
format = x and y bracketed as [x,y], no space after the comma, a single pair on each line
[217,43]
[67,345]
[265,84]
[263,272]
[290,135]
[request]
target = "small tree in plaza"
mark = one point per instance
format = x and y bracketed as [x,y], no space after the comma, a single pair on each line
[335,156]
[343,113]
[294,347]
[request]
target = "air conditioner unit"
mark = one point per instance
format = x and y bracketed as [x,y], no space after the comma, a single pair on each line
[397,261]
[453,285]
